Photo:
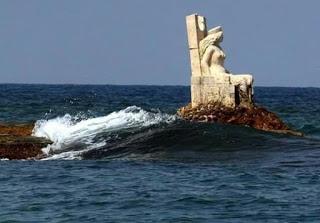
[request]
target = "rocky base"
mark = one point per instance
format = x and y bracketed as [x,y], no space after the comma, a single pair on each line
[256,117]
[16,142]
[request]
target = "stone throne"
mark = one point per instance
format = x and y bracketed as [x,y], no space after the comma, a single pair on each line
[210,81]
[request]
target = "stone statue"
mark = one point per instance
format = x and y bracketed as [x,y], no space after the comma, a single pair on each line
[211,55]
[210,81]
[217,95]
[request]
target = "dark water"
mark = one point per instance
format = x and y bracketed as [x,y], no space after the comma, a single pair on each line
[142,164]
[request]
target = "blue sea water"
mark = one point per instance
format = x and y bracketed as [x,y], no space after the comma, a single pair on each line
[121,155]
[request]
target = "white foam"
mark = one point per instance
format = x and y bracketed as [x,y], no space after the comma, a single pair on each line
[65,132]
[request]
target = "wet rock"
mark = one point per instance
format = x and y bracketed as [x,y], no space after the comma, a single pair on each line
[16,142]
[16,129]
[254,116]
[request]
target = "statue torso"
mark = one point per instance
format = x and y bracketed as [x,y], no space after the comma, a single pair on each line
[217,61]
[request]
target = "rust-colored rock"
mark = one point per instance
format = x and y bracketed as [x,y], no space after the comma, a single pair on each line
[254,116]
[16,142]
[16,129]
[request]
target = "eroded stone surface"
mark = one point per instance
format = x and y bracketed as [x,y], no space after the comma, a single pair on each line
[16,129]
[16,142]
[255,116]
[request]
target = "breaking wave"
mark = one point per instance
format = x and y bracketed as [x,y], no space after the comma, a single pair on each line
[71,136]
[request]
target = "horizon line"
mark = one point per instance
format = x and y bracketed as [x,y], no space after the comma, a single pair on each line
[156,85]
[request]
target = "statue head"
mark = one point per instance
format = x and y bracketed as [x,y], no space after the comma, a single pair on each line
[214,37]
[216,33]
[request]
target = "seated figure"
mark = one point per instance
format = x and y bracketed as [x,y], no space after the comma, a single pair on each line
[212,60]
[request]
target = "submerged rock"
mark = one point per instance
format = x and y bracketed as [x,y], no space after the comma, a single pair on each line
[253,116]
[16,142]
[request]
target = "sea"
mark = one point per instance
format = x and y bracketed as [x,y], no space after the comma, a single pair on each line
[120,154]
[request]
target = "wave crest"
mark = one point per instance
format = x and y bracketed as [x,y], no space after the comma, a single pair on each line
[72,137]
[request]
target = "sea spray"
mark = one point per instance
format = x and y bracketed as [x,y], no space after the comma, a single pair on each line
[71,137]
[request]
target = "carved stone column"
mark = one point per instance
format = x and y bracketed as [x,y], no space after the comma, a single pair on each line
[197,30]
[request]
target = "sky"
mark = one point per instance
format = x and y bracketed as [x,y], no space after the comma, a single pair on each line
[145,41]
